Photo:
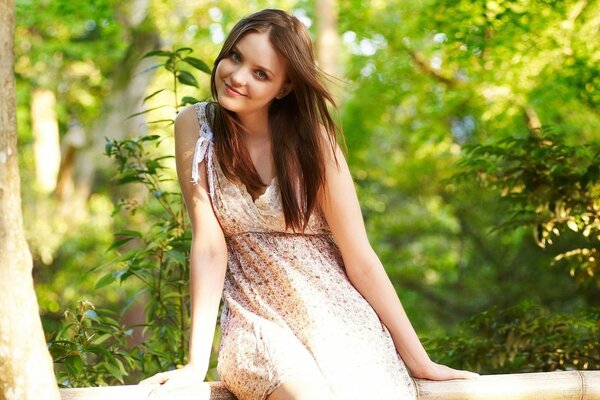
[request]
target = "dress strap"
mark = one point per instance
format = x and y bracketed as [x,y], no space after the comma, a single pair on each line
[204,148]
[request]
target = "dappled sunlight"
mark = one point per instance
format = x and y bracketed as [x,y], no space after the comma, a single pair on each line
[472,136]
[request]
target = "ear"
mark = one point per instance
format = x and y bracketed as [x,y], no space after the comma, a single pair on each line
[285,90]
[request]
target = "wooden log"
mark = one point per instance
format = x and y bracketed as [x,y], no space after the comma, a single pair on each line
[201,391]
[563,385]
[590,382]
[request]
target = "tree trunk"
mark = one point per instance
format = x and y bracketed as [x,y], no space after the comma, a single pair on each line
[73,141]
[25,364]
[46,142]
[328,41]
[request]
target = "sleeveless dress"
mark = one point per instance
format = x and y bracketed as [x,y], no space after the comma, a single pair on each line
[289,307]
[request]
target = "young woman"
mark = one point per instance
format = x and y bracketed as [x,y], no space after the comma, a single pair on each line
[309,312]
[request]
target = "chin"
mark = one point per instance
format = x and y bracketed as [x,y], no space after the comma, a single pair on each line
[228,104]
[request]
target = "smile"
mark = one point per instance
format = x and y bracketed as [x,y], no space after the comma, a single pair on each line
[231,91]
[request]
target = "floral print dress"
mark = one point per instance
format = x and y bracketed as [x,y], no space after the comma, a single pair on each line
[289,307]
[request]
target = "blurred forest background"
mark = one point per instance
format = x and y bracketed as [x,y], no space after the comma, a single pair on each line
[472,132]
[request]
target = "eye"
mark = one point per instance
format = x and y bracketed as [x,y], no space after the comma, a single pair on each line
[235,56]
[261,75]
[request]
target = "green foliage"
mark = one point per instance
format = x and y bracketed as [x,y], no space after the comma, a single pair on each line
[71,48]
[522,339]
[424,79]
[91,348]
[547,185]
[157,257]
[154,254]
[173,63]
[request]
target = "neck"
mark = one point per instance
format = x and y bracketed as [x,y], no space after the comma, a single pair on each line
[257,126]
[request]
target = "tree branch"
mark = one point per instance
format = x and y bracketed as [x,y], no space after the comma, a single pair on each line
[426,67]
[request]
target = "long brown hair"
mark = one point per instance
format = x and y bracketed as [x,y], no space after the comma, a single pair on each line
[295,120]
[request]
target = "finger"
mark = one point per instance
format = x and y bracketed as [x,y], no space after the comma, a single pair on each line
[159,378]
[172,384]
[465,375]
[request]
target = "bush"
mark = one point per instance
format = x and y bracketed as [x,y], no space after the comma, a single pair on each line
[153,251]
[549,186]
[90,349]
[522,339]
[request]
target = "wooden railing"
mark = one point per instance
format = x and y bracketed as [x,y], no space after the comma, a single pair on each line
[569,385]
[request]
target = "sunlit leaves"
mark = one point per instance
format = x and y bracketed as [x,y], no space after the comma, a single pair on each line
[158,257]
[54,39]
[188,100]
[88,350]
[198,64]
[173,63]
[549,186]
[186,78]
[407,122]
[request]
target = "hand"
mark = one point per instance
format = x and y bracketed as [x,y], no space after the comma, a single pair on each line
[437,372]
[188,375]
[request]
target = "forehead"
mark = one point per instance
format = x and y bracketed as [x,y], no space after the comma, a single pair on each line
[256,48]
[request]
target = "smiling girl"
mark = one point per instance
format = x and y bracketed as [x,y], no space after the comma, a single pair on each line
[309,312]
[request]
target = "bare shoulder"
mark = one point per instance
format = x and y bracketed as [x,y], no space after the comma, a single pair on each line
[186,122]
[331,150]
[337,173]
[187,132]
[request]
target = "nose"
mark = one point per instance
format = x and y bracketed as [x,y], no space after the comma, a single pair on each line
[238,77]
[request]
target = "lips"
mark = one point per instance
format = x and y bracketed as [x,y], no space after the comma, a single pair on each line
[231,91]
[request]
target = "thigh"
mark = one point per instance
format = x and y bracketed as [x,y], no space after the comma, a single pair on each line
[302,387]
[261,359]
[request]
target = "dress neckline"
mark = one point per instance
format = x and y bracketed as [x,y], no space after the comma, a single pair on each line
[263,197]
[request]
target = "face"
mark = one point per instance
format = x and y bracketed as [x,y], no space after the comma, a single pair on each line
[251,75]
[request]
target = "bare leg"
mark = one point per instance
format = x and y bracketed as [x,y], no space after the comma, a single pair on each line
[306,387]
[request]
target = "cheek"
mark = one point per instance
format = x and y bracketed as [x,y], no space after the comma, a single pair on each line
[223,68]
[219,69]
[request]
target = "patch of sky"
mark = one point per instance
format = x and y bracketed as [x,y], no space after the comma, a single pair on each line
[436,62]
[216,33]
[440,38]
[301,15]
[215,14]
[462,128]
[365,46]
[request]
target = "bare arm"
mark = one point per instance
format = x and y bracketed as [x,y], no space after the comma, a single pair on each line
[208,256]
[341,209]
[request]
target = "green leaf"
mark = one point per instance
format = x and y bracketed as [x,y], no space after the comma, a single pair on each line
[152,95]
[159,53]
[144,112]
[183,50]
[114,371]
[119,243]
[97,349]
[188,100]
[177,256]
[198,64]
[152,68]
[147,138]
[128,232]
[159,121]
[105,280]
[187,79]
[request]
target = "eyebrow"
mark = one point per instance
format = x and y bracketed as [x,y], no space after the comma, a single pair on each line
[267,70]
